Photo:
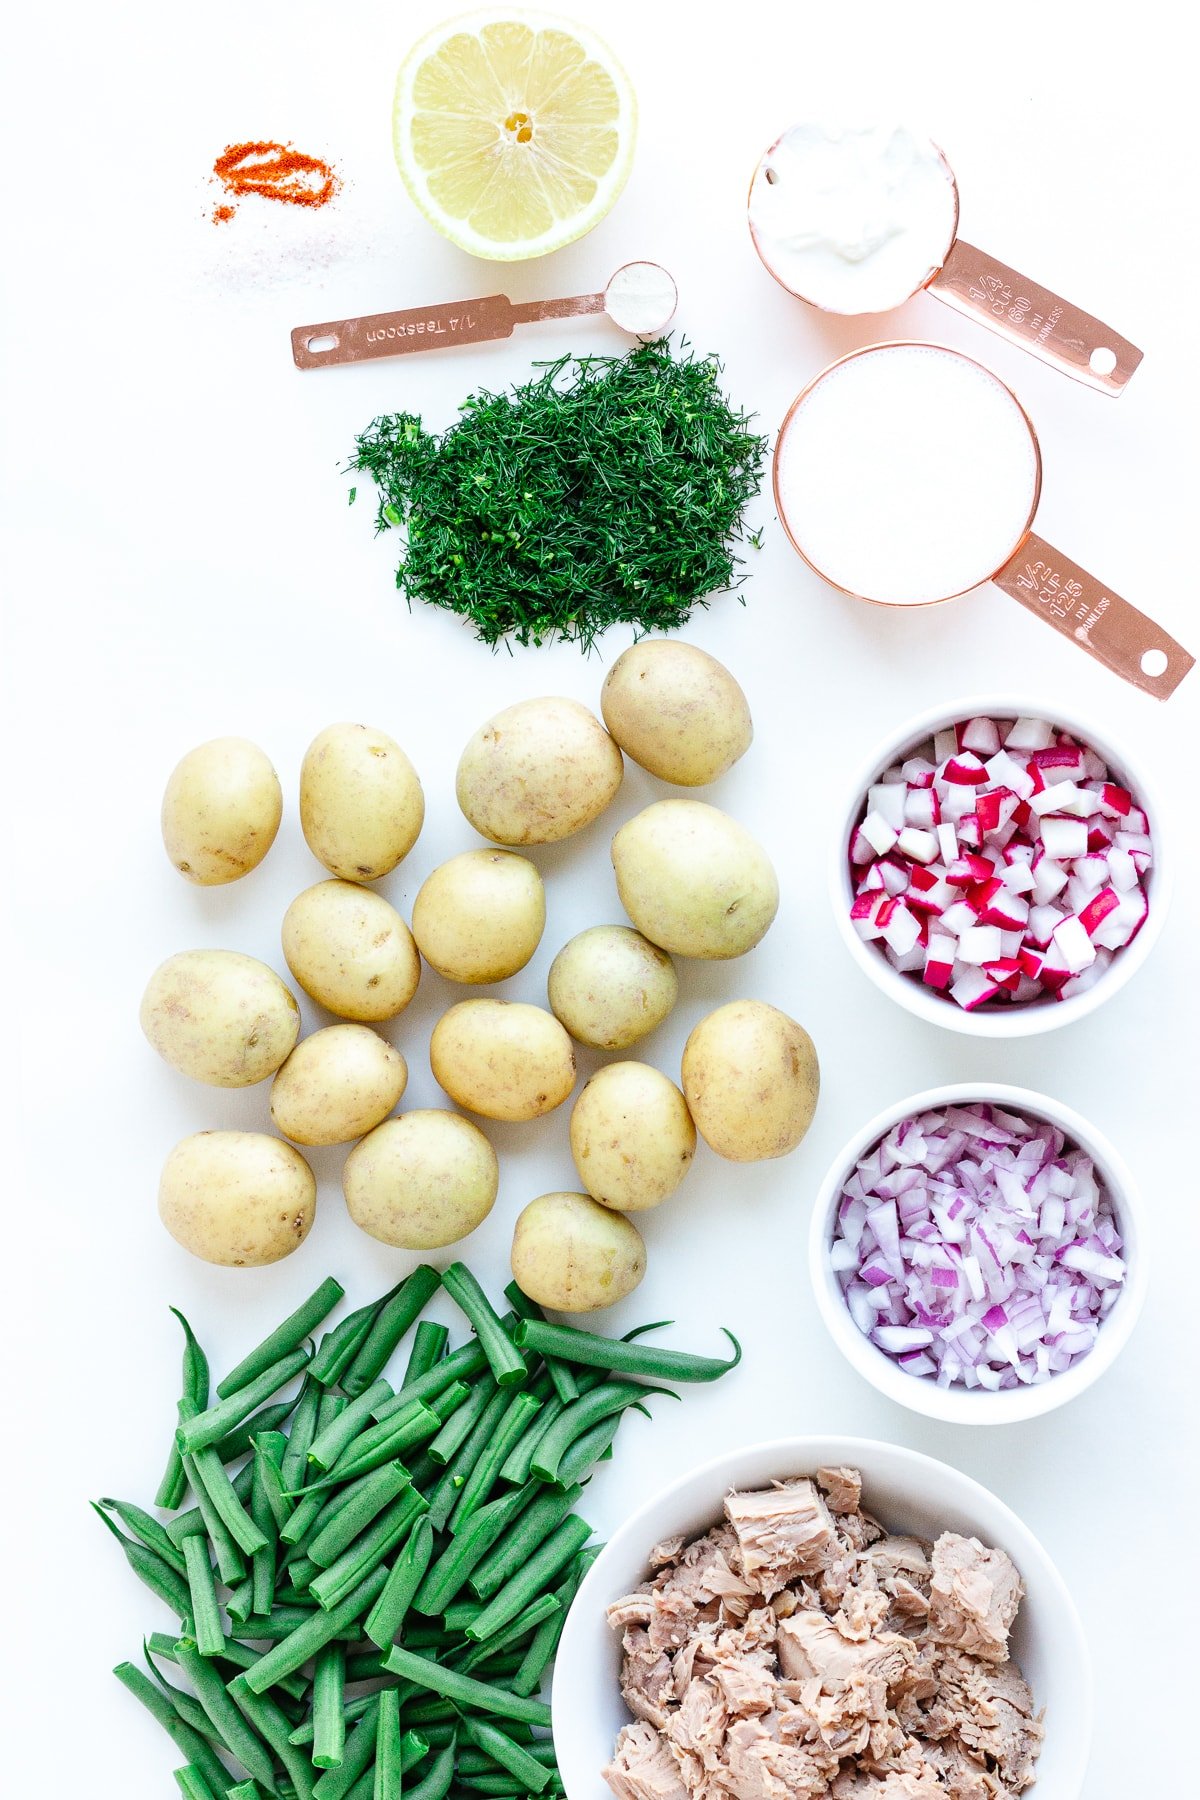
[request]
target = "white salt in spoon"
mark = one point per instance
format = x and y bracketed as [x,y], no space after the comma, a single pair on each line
[640,298]
[907,473]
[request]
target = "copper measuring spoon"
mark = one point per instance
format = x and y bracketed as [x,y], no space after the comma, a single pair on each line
[484,320]
[1029,570]
[983,288]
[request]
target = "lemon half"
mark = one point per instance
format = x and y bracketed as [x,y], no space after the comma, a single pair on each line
[514,135]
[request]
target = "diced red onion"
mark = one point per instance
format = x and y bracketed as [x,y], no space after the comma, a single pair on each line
[976,1247]
[1000,877]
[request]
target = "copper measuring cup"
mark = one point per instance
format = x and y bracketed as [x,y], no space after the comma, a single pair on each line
[983,288]
[1047,583]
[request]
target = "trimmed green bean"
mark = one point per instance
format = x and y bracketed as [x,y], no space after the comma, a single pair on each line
[268,1419]
[517,1463]
[161,1577]
[514,1549]
[436,1784]
[408,1571]
[209,1427]
[300,1437]
[269,1510]
[145,1528]
[444,1497]
[192,1785]
[546,1606]
[445,1580]
[318,1628]
[589,1449]
[245,1790]
[210,1472]
[184,1736]
[205,1612]
[328,1703]
[370,1451]
[370,1496]
[429,1347]
[462,1422]
[186,1705]
[339,1347]
[387,1781]
[622,1356]
[368,1551]
[287,1336]
[580,1416]
[478,1762]
[359,1753]
[238,1656]
[227,1720]
[462,1690]
[510,1426]
[329,1444]
[173,1485]
[231,1564]
[539,1570]
[300,1490]
[284,1619]
[461,1365]
[389,1325]
[560,1373]
[508,1366]
[532,1775]
[272,1725]
[544,1643]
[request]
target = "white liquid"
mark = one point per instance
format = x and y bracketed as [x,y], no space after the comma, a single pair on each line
[641,298]
[853,218]
[907,474]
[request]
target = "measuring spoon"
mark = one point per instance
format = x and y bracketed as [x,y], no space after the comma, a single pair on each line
[859,219]
[907,474]
[641,298]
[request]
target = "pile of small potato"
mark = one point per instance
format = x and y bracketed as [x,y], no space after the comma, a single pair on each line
[692,880]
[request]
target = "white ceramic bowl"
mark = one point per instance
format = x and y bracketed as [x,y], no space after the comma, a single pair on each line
[909,1493]
[973,1406]
[996,1021]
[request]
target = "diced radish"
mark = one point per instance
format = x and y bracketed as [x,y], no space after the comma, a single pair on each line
[1000,863]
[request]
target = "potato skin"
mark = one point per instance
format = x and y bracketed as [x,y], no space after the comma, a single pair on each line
[502,1059]
[336,1085]
[752,1079]
[611,986]
[421,1181]
[220,1017]
[632,1136]
[361,803]
[537,772]
[677,711]
[237,1198]
[480,916]
[572,1254]
[350,950]
[693,880]
[221,811]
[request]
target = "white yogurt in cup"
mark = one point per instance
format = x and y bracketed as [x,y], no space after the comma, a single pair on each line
[907,473]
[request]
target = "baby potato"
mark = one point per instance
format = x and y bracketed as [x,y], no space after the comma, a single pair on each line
[336,1085]
[537,772]
[751,1078]
[238,1198]
[632,1136]
[693,880]
[351,951]
[574,1255]
[502,1059]
[221,810]
[421,1181]
[677,711]
[220,1017]
[361,804]
[480,916]
[610,986]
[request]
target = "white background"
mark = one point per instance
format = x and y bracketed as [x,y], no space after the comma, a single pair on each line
[182,563]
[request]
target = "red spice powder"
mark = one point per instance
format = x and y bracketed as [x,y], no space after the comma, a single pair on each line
[275,172]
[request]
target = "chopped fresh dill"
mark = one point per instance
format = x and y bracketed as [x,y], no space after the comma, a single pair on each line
[605,490]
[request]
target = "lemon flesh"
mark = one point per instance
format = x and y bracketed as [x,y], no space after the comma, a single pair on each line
[514,135]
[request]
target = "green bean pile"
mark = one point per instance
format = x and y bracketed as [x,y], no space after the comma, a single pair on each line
[345,1616]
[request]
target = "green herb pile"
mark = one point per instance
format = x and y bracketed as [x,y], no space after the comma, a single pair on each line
[607,490]
[351,1625]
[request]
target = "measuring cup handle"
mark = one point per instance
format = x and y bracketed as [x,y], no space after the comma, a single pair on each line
[1072,341]
[400,333]
[1093,617]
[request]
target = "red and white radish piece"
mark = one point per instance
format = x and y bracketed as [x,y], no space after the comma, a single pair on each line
[1001,864]
[982,1240]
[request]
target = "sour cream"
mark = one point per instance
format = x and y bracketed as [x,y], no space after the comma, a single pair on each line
[907,473]
[854,219]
